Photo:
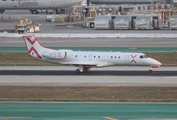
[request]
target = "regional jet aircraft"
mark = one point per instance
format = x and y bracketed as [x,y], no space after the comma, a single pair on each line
[85,60]
[35,4]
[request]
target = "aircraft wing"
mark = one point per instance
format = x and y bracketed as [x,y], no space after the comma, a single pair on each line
[87,63]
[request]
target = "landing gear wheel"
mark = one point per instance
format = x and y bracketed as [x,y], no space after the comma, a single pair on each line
[91,25]
[34,12]
[85,70]
[150,70]
[78,71]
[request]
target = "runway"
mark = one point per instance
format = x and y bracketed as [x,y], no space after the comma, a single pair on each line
[66,76]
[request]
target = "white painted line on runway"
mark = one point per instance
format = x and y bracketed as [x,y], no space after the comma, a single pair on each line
[171,77]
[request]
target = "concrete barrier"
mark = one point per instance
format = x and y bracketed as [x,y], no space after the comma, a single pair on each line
[89,35]
[9,35]
[50,35]
[165,35]
[111,35]
[38,35]
[3,34]
[16,36]
[138,35]
[64,35]
[102,35]
[44,35]
[72,35]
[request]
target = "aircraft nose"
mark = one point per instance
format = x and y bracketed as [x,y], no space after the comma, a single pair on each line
[156,62]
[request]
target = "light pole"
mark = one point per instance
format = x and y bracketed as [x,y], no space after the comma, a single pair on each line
[84,11]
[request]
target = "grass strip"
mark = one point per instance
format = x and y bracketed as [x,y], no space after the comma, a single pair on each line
[104,94]
[23,59]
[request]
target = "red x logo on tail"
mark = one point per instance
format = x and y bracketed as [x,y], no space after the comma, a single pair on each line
[32,48]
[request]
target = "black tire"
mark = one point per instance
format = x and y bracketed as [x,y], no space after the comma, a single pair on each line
[34,12]
[85,70]
[92,25]
[2,11]
[150,71]
[78,71]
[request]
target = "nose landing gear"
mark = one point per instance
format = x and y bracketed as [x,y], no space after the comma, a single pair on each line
[150,70]
[83,69]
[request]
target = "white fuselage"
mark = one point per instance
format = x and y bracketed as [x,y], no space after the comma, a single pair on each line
[36,4]
[101,59]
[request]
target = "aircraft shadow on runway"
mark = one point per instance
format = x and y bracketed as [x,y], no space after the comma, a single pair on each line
[90,73]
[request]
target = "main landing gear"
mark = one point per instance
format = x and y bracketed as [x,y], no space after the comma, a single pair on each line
[80,70]
[150,70]
[2,11]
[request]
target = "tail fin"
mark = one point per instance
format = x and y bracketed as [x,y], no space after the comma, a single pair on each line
[33,46]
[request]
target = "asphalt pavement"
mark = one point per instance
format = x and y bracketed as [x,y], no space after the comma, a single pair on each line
[66,76]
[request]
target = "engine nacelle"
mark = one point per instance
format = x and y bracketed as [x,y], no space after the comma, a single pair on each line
[54,54]
[2,11]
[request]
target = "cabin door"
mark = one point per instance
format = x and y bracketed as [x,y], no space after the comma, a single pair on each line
[90,57]
[126,59]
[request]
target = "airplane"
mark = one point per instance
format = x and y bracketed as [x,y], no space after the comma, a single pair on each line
[123,1]
[114,2]
[85,60]
[35,4]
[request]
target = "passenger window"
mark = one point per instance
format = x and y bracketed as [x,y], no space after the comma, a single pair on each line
[141,57]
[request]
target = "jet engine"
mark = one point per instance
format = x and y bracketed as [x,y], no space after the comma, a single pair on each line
[54,54]
[2,11]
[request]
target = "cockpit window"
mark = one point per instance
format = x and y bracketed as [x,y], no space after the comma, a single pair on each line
[143,56]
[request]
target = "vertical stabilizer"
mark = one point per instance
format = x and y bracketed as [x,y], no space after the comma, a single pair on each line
[33,46]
